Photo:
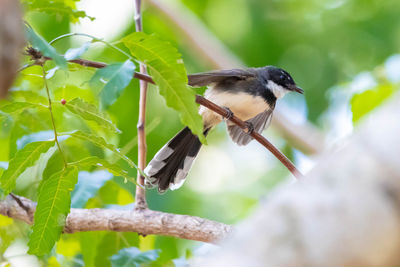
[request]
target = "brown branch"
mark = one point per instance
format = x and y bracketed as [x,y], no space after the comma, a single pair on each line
[261,139]
[221,111]
[140,196]
[144,221]
[207,48]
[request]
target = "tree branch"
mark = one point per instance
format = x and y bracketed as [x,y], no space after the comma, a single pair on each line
[140,196]
[146,222]
[210,105]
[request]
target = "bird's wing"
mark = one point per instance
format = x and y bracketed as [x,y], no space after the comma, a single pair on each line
[206,78]
[260,122]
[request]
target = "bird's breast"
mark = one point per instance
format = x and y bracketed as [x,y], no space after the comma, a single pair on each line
[245,106]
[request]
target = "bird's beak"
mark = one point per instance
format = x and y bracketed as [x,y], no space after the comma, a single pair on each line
[297,89]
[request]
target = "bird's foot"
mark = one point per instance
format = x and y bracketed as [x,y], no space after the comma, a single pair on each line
[229,114]
[249,127]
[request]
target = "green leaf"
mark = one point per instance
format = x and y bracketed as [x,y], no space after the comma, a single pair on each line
[118,76]
[95,161]
[133,257]
[23,159]
[56,7]
[74,53]
[367,101]
[29,96]
[99,141]
[54,202]
[17,107]
[89,112]
[47,50]
[166,67]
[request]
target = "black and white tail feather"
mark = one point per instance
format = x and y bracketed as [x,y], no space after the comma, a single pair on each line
[171,164]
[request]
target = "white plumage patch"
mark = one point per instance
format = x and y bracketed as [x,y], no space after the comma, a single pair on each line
[182,173]
[157,162]
[277,89]
[176,185]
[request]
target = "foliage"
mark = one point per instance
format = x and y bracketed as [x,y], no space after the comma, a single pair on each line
[167,69]
[57,7]
[53,206]
[89,112]
[41,45]
[24,158]
[118,75]
[322,44]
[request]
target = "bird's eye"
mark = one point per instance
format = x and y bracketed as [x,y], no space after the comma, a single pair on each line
[282,77]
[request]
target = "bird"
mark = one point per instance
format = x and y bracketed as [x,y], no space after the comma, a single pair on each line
[250,94]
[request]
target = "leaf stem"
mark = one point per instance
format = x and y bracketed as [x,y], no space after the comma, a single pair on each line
[52,118]
[93,38]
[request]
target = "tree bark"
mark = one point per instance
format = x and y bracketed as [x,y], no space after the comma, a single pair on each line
[145,222]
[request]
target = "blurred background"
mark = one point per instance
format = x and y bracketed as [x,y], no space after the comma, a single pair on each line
[343,53]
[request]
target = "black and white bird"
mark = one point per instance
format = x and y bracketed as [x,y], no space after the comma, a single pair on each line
[250,94]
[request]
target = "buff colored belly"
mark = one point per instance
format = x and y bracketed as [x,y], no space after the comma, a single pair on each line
[242,105]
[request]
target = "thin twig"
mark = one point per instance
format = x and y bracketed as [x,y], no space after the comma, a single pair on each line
[93,38]
[52,117]
[20,203]
[261,139]
[140,196]
[210,105]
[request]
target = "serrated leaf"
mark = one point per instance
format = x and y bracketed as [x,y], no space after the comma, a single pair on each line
[96,161]
[166,67]
[35,173]
[88,185]
[89,112]
[133,257]
[60,8]
[116,77]
[17,107]
[99,141]
[74,53]
[29,96]
[44,47]
[23,159]
[365,102]
[53,206]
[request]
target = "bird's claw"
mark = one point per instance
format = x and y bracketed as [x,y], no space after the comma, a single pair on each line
[229,114]
[249,127]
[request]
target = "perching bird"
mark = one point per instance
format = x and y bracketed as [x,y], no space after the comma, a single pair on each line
[250,94]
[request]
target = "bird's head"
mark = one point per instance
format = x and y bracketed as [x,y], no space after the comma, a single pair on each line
[280,82]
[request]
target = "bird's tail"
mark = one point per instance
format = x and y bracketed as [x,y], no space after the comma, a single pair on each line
[171,164]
